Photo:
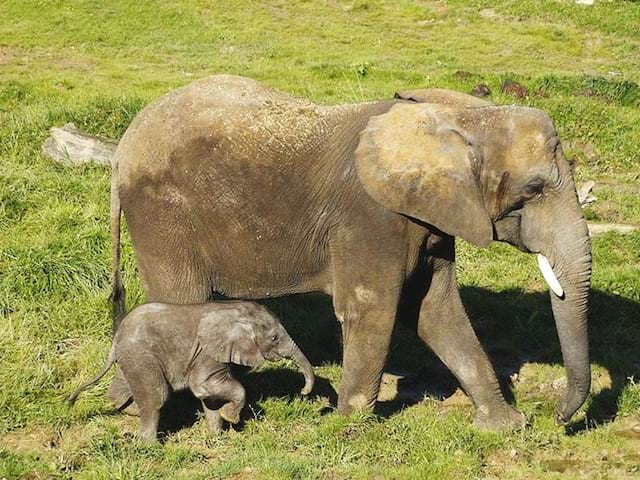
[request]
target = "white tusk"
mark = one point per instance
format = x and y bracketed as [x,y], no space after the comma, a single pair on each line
[549,276]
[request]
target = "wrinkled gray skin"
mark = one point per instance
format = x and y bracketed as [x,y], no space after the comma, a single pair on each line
[232,187]
[161,347]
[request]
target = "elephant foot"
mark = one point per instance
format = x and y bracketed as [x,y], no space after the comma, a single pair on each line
[147,437]
[355,403]
[215,422]
[230,413]
[131,408]
[501,419]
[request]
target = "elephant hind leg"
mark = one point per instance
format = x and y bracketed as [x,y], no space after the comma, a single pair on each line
[150,391]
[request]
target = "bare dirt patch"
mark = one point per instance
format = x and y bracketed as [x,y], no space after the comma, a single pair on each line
[34,440]
[7,55]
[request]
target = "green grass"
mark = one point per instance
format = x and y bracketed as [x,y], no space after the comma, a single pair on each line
[97,65]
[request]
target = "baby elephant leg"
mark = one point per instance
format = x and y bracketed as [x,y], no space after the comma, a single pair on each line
[150,391]
[219,387]
[234,392]
[215,422]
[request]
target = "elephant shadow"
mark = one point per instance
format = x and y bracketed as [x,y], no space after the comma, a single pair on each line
[515,328]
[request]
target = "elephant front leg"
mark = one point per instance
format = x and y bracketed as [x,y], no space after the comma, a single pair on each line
[220,386]
[445,327]
[367,314]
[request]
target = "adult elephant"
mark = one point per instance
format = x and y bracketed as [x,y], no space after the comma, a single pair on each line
[231,187]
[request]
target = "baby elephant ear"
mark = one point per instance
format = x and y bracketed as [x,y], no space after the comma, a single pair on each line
[228,340]
[441,96]
[417,160]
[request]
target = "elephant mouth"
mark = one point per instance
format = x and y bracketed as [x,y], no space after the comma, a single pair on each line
[273,356]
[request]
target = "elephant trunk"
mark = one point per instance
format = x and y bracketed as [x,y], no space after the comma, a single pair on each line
[293,352]
[570,253]
[570,313]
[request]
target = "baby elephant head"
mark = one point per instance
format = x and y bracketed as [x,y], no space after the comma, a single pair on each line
[247,333]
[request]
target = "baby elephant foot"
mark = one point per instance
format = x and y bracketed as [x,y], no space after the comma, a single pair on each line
[215,422]
[230,412]
[131,409]
[501,419]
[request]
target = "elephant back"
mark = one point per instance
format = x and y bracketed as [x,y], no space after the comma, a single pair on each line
[223,113]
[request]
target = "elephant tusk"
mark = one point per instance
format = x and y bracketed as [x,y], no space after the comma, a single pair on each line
[549,276]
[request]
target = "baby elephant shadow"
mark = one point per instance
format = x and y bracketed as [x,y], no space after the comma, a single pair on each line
[285,384]
[183,410]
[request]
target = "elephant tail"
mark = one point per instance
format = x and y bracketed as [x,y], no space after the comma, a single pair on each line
[71,399]
[117,297]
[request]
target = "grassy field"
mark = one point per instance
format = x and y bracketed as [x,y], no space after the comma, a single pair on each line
[98,63]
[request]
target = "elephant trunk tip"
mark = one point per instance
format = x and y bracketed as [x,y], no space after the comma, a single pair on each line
[293,352]
[573,400]
[560,420]
[308,384]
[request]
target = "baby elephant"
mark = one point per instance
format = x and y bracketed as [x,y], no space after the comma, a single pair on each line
[160,346]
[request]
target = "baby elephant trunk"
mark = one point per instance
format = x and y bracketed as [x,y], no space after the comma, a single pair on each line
[292,351]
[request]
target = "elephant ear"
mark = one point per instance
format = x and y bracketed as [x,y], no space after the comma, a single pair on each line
[416,160]
[441,96]
[226,339]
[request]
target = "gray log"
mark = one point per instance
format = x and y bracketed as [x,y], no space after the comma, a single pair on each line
[72,147]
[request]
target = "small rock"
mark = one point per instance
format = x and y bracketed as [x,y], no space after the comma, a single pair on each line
[513,454]
[514,88]
[481,90]
[585,2]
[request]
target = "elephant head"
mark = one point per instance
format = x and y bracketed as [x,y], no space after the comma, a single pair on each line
[490,173]
[250,334]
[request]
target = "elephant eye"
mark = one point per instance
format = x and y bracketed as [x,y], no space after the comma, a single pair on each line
[533,188]
[274,338]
